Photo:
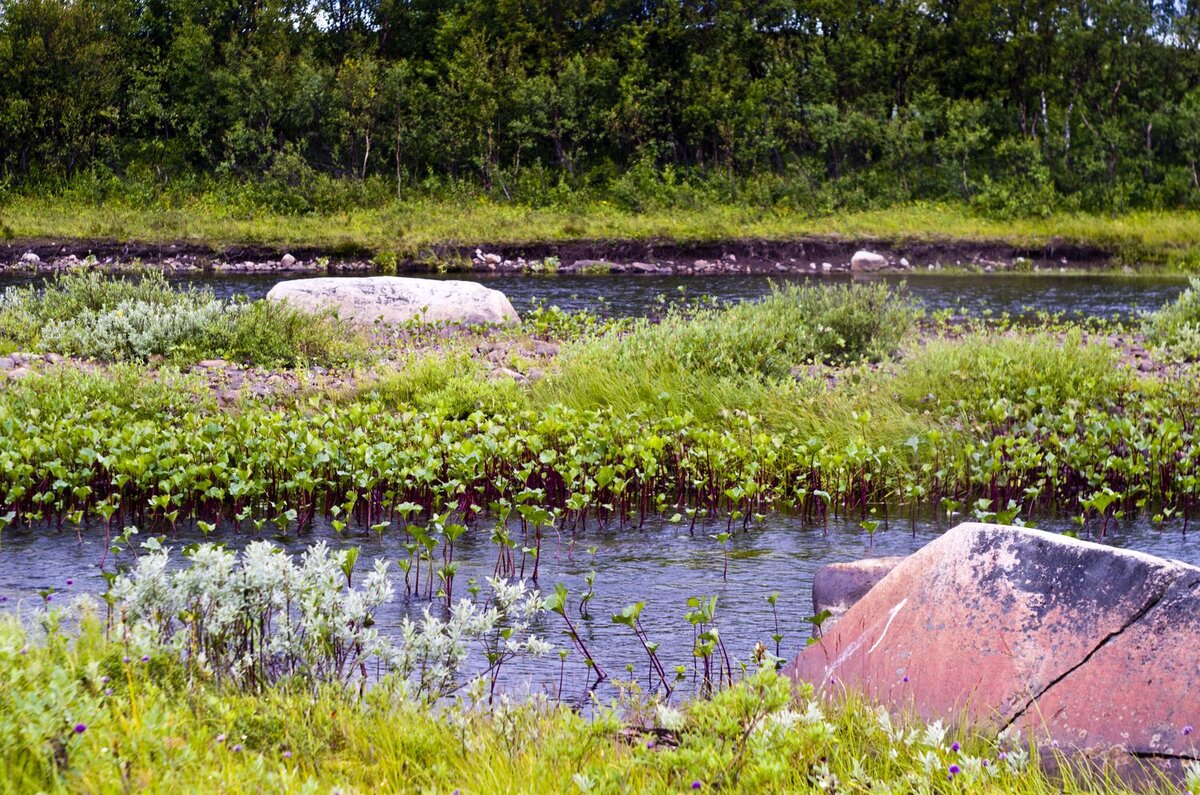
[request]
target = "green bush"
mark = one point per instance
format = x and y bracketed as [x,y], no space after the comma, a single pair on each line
[1176,326]
[453,387]
[1036,371]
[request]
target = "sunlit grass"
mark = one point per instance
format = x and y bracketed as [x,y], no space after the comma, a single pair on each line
[404,228]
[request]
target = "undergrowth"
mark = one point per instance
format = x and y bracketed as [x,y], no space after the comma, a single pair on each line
[134,318]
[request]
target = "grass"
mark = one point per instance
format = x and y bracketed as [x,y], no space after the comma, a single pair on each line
[709,361]
[1164,239]
[77,714]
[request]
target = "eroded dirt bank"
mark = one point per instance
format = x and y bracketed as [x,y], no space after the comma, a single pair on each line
[802,255]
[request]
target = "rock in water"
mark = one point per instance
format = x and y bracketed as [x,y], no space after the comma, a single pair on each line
[837,586]
[866,261]
[1076,643]
[394,299]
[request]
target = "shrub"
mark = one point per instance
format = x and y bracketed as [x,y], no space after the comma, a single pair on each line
[453,387]
[256,618]
[134,318]
[133,329]
[274,334]
[1176,326]
[1037,371]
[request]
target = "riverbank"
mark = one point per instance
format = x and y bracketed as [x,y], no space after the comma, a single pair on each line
[822,401]
[489,235]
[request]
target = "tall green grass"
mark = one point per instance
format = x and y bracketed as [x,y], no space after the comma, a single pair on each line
[752,357]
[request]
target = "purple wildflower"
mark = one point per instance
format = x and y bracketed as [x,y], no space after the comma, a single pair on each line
[696,784]
[145,658]
[237,749]
[1187,730]
[1002,756]
[905,679]
[80,728]
[287,754]
[954,746]
[108,691]
[125,659]
[955,770]
[3,598]
[220,738]
[70,582]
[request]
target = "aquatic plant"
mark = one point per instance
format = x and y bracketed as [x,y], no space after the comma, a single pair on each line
[76,449]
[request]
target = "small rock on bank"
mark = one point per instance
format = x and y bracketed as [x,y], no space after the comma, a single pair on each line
[395,299]
[867,261]
[1087,646]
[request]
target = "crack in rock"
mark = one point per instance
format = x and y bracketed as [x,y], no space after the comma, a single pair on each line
[1153,601]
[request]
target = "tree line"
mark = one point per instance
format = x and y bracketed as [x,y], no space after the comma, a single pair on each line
[1017,106]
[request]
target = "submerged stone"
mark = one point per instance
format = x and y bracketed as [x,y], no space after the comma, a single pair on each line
[837,586]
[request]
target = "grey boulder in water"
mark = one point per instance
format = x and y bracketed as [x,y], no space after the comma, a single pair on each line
[394,299]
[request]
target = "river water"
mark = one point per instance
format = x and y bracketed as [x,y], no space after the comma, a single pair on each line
[660,564]
[1106,296]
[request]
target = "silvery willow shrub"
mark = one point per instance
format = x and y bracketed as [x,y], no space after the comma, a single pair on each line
[433,651]
[261,616]
[1176,326]
[136,329]
[133,318]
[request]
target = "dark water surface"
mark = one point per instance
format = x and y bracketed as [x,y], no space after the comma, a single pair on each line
[1106,296]
[660,564]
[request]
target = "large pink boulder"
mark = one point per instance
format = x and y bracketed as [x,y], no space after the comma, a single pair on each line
[1077,643]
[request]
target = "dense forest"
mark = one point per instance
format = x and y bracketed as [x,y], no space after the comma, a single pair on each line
[1020,106]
